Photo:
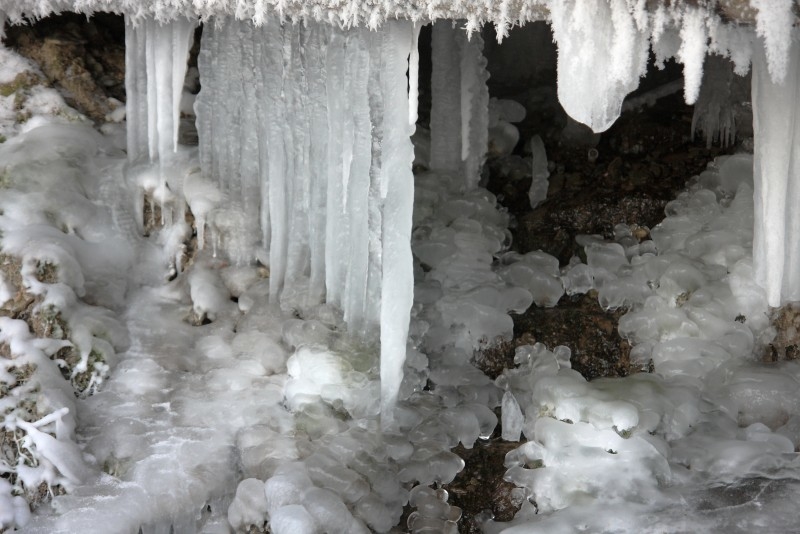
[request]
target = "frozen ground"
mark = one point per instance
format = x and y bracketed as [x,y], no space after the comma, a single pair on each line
[202,407]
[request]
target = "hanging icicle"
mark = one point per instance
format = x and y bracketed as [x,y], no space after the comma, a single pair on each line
[155,58]
[460,102]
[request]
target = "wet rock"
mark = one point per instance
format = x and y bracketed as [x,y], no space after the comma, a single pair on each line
[786,345]
[577,322]
[480,486]
[554,226]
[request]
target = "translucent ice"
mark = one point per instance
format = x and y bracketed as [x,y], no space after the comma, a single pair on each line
[597,36]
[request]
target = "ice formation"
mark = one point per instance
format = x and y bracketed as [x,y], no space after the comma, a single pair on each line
[776,247]
[460,106]
[305,168]
[324,173]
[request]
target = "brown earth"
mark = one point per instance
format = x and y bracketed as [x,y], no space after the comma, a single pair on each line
[83,58]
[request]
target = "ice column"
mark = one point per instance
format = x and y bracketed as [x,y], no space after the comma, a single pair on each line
[460,102]
[306,129]
[776,123]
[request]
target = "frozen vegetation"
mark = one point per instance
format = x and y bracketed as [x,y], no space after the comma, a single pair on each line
[297,352]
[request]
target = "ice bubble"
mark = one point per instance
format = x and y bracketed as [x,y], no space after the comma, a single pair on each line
[287,486]
[545,288]
[208,293]
[511,417]
[330,512]
[292,519]
[262,348]
[606,258]
[578,278]
[327,473]
[440,467]
[249,507]
[378,514]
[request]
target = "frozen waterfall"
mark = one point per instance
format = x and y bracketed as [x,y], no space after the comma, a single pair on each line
[305,130]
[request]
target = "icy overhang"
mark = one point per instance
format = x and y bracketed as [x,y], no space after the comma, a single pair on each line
[372,13]
[603,44]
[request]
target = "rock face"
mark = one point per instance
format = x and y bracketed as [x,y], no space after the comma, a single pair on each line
[480,487]
[580,323]
[84,58]
[628,177]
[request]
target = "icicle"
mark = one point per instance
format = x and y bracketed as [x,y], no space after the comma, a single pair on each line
[376,43]
[149,45]
[316,52]
[274,75]
[156,67]
[465,96]
[162,85]
[397,295]
[413,76]
[776,123]
[336,231]
[714,113]
[460,102]
[296,142]
[155,58]
[358,181]
[262,110]
[474,107]
[692,53]
[445,98]
[597,36]
[134,72]
[182,33]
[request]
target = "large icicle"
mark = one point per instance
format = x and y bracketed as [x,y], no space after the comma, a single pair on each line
[445,98]
[474,107]
[597,36]
[776,123]
[397,295]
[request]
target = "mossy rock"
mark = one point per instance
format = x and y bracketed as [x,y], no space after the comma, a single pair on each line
[22,82]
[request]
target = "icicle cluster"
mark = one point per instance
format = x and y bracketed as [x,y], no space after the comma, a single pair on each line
[305,129]
[460,106]
[715,111]
[155,58]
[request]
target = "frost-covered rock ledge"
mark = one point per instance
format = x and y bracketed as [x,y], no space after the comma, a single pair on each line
[502,14]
